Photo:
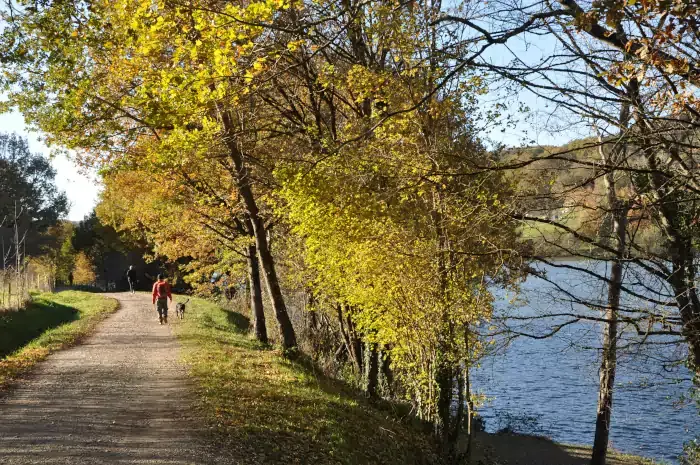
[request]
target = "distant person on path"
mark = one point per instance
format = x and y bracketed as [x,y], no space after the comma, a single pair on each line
[161,294]
[70,279]
[131,277]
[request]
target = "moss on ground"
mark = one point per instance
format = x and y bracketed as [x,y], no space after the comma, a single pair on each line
[50,322]
[266,409]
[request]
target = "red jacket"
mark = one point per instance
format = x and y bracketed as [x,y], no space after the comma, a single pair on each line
[161,290]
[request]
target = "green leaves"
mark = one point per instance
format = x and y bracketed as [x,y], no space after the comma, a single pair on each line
[374,222]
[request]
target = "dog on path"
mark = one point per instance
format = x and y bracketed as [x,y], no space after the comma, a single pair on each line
[180,309]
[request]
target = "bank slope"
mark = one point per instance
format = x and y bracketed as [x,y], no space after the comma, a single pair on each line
[265,409]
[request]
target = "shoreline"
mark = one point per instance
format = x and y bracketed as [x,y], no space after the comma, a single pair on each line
[525,449]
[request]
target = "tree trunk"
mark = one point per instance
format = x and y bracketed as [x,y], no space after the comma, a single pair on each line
[343,332]
[352,341]
[372,371]
[445,368]
[467,396]
[608,364]
[444,378]
[689,305]
[248,291]
[674,225]
[470,414]
[287,333]
[256,301]
[355,345]
[311,321]
[682,279]
[310,309]
[456,430]
[387,373]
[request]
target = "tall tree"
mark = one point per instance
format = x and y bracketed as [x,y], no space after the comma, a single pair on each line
[624,70]
[28,190]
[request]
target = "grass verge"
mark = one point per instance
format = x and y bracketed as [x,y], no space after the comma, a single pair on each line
[265,409]
[50,322]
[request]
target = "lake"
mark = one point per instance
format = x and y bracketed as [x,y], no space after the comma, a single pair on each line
[549,386]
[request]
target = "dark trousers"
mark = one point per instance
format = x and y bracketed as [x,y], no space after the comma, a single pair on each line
[162,307]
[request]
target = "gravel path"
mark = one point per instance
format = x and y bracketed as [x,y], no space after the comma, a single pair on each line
[121,397]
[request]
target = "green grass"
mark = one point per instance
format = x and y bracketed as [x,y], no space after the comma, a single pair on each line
[531,230]
[49,323]
[265,409]
[551,241]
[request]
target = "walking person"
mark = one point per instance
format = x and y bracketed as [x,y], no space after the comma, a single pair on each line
[161,294]
[131,277]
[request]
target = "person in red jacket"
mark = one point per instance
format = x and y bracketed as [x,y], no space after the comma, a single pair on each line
[161,294]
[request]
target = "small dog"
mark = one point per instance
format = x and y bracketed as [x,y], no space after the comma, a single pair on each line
[180,309]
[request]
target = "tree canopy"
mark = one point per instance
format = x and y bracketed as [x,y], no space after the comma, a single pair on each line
[29,197]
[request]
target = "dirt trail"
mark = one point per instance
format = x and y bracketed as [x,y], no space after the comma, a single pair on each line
[120,397]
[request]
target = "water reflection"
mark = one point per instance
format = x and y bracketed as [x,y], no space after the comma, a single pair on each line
[549,386]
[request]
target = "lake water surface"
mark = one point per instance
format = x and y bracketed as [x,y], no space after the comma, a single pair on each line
[549,386]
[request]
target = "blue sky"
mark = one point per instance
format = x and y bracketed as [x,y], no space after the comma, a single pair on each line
[546,124]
